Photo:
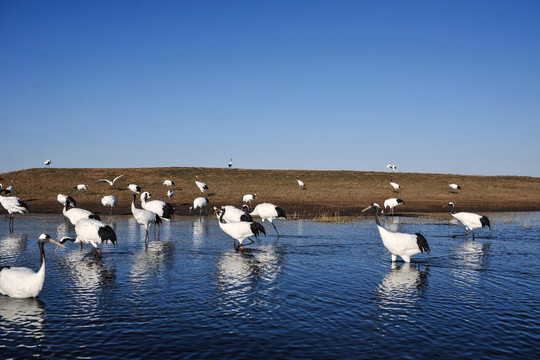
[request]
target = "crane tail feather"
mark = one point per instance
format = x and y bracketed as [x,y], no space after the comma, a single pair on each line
[422,243]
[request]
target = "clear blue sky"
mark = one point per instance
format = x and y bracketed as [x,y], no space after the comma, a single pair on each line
[432,86]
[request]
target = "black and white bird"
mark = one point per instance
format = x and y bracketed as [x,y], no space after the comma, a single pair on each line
[454,187]
[301,183]
[230,163]
[170,193]
[13,205]
[111,182]
[471,221]
[92,232]
[199,203]
[47,162]
[248,198]
[134,188]
[392,203]
[202,186]
[391,167]
[75,214]
[239,231]
[270,212]
[109,201]
[168,182]
[81,187]
[61,198]
[163,209]
[145,217]
[9,189]
[233,214]
[22,282]
[400,244]
[395,186]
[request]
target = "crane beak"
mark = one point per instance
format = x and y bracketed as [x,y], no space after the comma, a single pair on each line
[56,243]
[366,209]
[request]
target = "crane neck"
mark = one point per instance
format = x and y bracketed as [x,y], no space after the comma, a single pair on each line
[377,216]
[42,254]
[221,216]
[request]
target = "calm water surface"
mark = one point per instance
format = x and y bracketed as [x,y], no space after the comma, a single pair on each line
[323,291]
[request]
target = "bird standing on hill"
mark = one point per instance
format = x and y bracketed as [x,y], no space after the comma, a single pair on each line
[392,203]
[170,193]
[202,186]
[13,205]
[270,212]
[111,182]
[239,231]
[163,209]
[92,232]
[454,187]
[21,282]
[471,221]
[395,186]
[168,182]
[400,244]
[301,183]
[81,187]
[134,188]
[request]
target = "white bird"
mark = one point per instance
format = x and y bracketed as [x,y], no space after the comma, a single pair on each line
[21,282]
[109,201]
[454,187]
[92,232]
[170,193]
[13,205]
[47,162]
[233,214]
[61,198]
[81,187]
[267,211]
[200,203]
[9,189]
[202,186]
[164,210]
[395,186]
[168,182]
[111,182]
[145,217]
[75,214]
[301,183]
[230,163]
[400,244]
[248,198]
[471,221]
[392,203]
[134,188]
[239,231]
[391,167]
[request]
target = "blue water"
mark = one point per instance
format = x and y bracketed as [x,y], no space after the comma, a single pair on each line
[322,291]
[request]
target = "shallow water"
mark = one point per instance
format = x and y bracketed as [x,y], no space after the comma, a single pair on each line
[324,290]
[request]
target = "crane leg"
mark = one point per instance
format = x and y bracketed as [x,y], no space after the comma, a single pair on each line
[275,228]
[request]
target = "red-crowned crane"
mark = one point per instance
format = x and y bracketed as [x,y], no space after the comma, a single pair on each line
[61,198]
[92,232]
[392,203]
[400,244]
[455,187]
[202,186]
[75,214]
[134,188]
[22,282]
[111,182]
[163,209]
[81,187]
[9,189]
[301,183]
[395,186]
[239,231]
[145,217]
[13,205]
[391,167]
[248,198]
[233,214]
[267,211]
[471,221]
[230,163]
[170,193]
[168,182]
[200,203]
[109,201]
[47,162]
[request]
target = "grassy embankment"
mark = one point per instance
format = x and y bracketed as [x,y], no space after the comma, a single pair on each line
[329,194]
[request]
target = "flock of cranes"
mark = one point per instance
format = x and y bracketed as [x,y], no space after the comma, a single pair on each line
[236,223]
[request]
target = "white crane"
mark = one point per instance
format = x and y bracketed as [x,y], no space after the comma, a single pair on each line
[13,205]
[170,193]
[61,198]
[395,186]
[471,221]
[301,183]
[168,182]
[391,167]
[230,163]
[239,231]
[202,186]
[81,187]
[145,217]
[92,232]
[392,203]
[75,214]
[267,211]
[163,209]
[110,182]
[400,244]
[248,198]
[134,188]
[47,162]
[233,214]
[22,282]
[109,201]
[9,189]
[454,187]
[200,203]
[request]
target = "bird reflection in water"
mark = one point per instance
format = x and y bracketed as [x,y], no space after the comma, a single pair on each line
[200,228]
[11,245]
[22,318]
[147,263]
[470,257]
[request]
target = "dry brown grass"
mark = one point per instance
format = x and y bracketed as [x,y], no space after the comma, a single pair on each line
[328,194]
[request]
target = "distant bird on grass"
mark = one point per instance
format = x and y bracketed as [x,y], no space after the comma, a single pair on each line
[202,186]
[270,212]
[111,182]
[240,230]
[199,203]
[248,198]
[391,167]
[167,182]
[395,186]
[454,187]
[134,188]
[399,244]
[471,221]
[61,198]
[301,183]
[13,205]
[9,190]
[109,201]
[81,187]
[92,232]
[170,193]
[21,282]
[392,203]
